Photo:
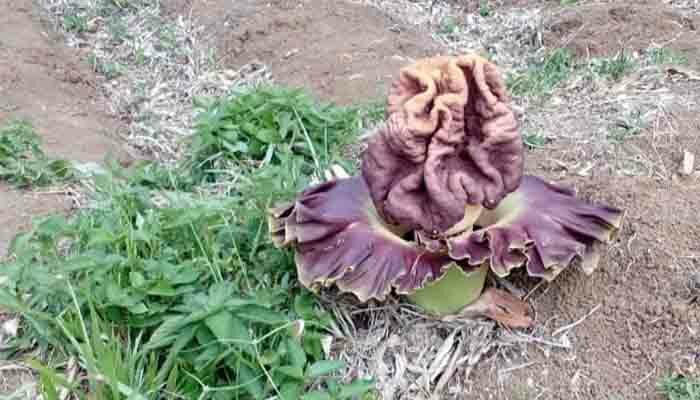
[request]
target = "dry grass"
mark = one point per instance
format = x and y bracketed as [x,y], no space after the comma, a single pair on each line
[588,123]
[16,380]
[509,37]
[412,355]
[155,68]
[586,119]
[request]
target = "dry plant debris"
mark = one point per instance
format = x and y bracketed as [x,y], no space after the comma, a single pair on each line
[155,68]
[509,37]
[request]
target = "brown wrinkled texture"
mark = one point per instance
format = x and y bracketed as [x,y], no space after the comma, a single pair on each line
[338,239]
[450,140]
[541,226]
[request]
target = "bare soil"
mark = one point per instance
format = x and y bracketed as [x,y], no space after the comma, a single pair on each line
[603,30]
[645,320]
[54,88]
[20,207]
[342,52]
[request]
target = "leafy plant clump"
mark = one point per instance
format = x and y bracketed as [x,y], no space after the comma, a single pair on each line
[614,68]
[267,125]
[160,292]
[22,161]
[680,388]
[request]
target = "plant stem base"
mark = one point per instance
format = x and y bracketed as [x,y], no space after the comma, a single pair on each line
[451,293]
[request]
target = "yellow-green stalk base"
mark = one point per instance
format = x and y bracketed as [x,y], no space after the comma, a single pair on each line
[455,290]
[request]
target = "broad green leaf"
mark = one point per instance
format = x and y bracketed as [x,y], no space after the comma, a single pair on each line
[204,336]
[219,324]
[324,367]
[356,388]
[119,296]
[166,333]
[292,371]
[284,119]
[138,308]
[260,314]
[180,276]
[52,225]
[137,279]
[297,355]
[253,384]
[100,237]
[162,289]
[219,293]
[316,395]
[230,330]
[270,357]
[235,148]
[290,391]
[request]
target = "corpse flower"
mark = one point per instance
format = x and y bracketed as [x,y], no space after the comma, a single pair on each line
[440,202]
[450,140]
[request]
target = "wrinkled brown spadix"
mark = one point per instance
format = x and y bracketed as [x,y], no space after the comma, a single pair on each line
[450,143]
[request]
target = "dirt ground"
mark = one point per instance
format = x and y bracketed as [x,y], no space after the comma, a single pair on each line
[342,52]
[54,88]
[645,320]
[639,313]
[595,30]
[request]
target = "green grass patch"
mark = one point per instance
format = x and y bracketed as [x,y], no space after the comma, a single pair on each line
[560,65]
[22,161]
[449,25]
[164,292]
[534,140]
[485,9]
[75,23]
[680,388]
[613,68]
[629,125]
[663,56]
[543,76]
[111,70]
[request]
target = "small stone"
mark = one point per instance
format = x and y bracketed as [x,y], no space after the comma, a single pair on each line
[10,327]
[688,164]
[91,27]
[291,53]
[694,283]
